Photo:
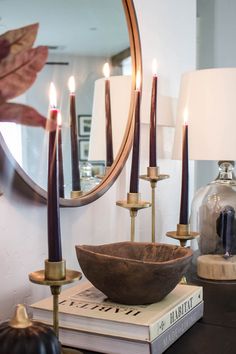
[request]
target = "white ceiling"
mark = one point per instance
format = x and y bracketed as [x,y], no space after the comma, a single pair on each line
[82,27]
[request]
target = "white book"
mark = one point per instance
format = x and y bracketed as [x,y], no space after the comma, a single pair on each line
[85,308]
[115,345]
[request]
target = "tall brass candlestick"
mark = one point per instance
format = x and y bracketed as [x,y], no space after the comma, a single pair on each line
[74,138]
[134,177]
[53,212]
[152,142]
[183,218]
[109,139]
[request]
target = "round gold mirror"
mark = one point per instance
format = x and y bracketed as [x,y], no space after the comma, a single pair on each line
[82,36]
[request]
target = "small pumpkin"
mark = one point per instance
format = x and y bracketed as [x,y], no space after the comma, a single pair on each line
[23,336]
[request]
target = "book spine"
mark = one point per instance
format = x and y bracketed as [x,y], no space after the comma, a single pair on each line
[166,339]
[175,314]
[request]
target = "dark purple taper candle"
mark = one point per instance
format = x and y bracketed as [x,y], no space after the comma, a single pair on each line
[74,138]
[53,212]
[183,218]
[152,141]
[109,139]
[60,159]
[134,177]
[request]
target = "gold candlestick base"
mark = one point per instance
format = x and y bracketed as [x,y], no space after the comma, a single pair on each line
[133,204]
[55,275]
[76,194]
[153,177]
[183,234]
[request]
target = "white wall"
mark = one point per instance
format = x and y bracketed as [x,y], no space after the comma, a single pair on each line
[23,220]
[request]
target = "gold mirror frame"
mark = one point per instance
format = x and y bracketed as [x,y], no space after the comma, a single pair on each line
[118,164]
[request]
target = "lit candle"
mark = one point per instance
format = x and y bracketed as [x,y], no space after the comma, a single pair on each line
[109,143]
[60,157]
[74,138]
[183,218]
[54,232]
[134,177]
[152,141]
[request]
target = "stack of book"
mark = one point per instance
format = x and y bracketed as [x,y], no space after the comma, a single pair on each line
[88,320]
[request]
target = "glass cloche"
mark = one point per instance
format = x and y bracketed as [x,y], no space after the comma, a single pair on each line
[213,213]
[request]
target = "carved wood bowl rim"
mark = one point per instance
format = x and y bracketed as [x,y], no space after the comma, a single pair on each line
[92,249]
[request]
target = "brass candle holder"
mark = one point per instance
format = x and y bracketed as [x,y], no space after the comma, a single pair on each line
[55,275]
[76,194]
[133,204]
[153,177]
[182,234]
[106,171]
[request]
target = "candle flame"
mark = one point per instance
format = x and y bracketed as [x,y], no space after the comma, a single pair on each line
[185,115]
[71,84]
[106,70]
[138,80]
[52,95]
[154,67]
[59,118]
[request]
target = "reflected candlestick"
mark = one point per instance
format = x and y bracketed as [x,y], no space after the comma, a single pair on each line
[74,138]
[183,218]
[109,139]
[53,212]
[134,177]
[152,141]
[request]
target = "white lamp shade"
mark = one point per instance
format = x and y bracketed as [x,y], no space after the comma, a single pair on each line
[120,95]
[208,98]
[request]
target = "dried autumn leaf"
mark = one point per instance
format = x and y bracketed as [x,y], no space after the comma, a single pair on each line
[22,114]
[21,38]
[4,48]
[18,72]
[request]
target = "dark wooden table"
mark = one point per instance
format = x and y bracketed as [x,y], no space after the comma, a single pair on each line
[215,333]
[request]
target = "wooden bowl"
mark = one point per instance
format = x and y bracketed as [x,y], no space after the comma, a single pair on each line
[134,273]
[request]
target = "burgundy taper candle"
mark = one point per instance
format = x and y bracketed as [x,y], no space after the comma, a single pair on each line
[183,218]
[60,158]
[109,139]
[53,212]
[134,177]
[74,138]
[152,141]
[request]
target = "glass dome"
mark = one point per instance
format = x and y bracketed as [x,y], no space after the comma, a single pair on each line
[213,213]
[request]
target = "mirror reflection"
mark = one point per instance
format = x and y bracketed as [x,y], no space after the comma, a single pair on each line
[82,35]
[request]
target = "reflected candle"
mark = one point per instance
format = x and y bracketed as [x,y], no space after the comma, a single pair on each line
[152,141]
[183,218]
[60,157]
[134,177]
[53,212]
[74,138]
[109,141]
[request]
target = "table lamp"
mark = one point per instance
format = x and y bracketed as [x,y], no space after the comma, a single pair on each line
[209,96]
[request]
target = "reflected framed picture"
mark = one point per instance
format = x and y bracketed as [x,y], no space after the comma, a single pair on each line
[84,125]
[83,149]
